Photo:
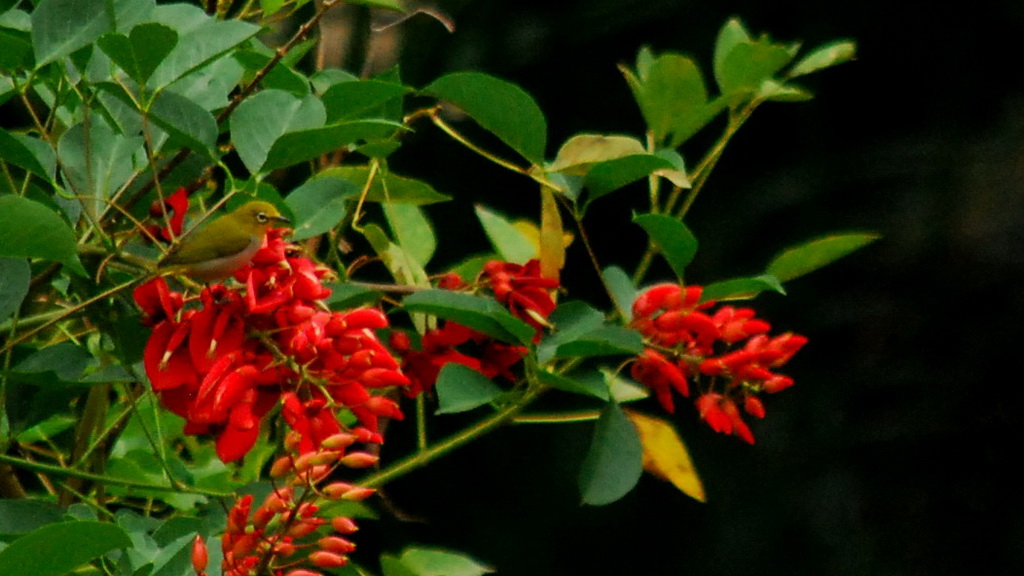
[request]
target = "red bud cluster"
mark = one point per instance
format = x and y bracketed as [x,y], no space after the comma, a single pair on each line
[224,362]
[520,288]
[731,346]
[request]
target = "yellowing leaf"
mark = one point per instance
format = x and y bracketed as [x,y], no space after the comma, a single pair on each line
[583,150]
[665,454]
[531,232]
[552,236]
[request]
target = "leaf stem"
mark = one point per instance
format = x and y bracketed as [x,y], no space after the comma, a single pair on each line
[424,457]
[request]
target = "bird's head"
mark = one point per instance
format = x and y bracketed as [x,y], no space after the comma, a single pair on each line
[257,217]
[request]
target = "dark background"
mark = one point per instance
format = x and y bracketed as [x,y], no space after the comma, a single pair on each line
[892,454]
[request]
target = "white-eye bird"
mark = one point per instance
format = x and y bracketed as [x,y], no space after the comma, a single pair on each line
[217,250]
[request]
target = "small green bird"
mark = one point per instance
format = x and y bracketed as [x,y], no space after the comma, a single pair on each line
[218,249]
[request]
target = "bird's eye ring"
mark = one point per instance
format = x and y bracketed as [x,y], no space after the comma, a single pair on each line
[261,217]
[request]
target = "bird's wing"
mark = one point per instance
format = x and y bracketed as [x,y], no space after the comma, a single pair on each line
[227,242]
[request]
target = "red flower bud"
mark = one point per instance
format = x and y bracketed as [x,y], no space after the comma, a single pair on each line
[200,556]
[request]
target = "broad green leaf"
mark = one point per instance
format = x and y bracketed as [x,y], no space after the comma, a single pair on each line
[609,176]
[582,151]
[730,35]
[604,341]
[142,50]
[211,85]
[14,149]
[60,27]
[665,455]
[417,561]
[622,389]
[30,230]
[671,237]
[15,275]
[201,40]
[57,549]
[47,429]
[749,64]
[270,7]
[361,99]
[506,239]
[500,107]
[283,76]
[319,205]
[302,145]
[403,267]
[15,49]
[262,119]
[615,460]
[622,289]
[387,187]
[97,164]
[741,288]
[65,359]
[825,56]
[593,385]
[460,388]
[673,94]
[412,230]
[348,296]
[571,321]
[188,123]
[18,516]
[809,256]
[476,312]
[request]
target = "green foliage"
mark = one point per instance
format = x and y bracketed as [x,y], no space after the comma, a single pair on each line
[122,102]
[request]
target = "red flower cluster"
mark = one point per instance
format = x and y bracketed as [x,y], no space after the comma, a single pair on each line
[278,536]
[174,208]
[729,345]
[224,365]
[520,288]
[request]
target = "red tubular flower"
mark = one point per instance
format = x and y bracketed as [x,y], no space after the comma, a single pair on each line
[522,289]
[216,366]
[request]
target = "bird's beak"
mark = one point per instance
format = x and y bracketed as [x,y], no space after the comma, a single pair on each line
[280,220]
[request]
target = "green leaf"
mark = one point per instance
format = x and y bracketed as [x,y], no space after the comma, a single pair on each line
[57,549]
[673,94]
[65,359]
[571,320]
[412,230]
[506,239]
[14,149]
[417,561]
[201,40]
[476,312]
[15,276]
[283,76]
[460,389]
[809,256]
[825,56]
[614,462]
[348,296]
[142,50]
[60,27]
[749,64]
[582,151]
[395,5]
[593,385]
[622,289]
[189,124]
[387,187]
[319,205]
[262,119]
[605,341]
[361,99]
[500,107]
[302,145]
[732,34]
[97,164]
[26,515]
[403,267]
[609,176]
[671,237]
[30,230]
[15,49]
[741,288]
